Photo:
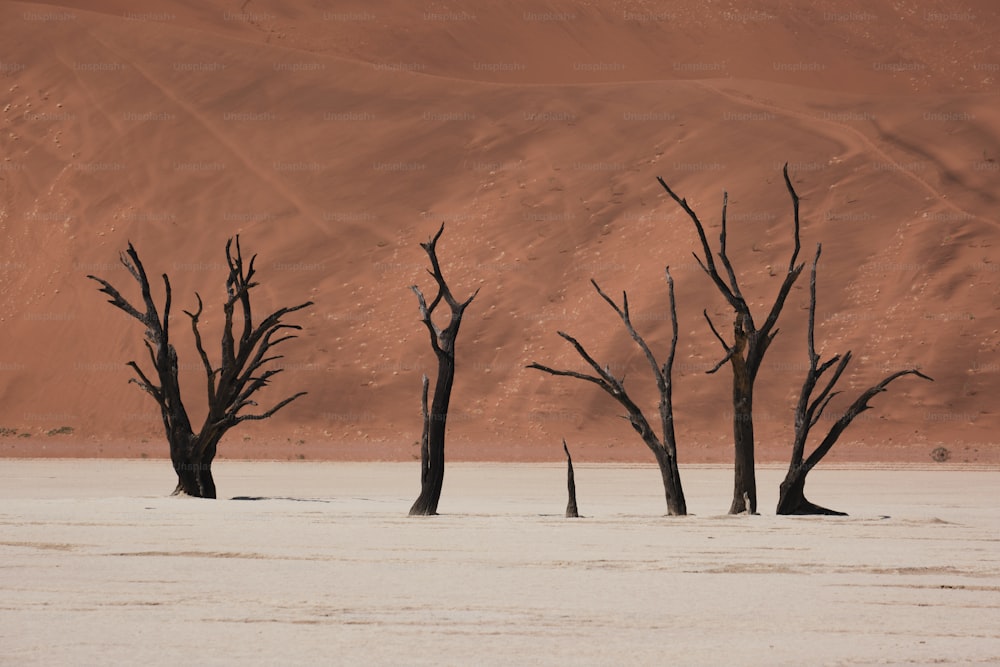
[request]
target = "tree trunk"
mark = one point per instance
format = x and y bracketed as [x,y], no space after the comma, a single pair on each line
[672,489]
[432,477]
[792,498]
[195,479]
[744,478]
[193,465]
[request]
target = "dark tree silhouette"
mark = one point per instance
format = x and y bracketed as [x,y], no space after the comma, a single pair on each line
[443,344]
[809,410]
[665,451]
[571,511]
[230,386]
[750,342]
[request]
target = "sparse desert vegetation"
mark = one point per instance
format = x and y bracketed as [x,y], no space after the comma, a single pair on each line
[554,144]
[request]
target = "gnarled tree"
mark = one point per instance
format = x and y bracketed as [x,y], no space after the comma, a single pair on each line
[230,386]
[750,342]
[443,344]
[665,450]
[809,410]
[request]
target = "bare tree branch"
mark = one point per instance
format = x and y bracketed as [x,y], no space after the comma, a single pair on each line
[859,405]
[709,262]
[724,257]
[793,270]
[265,415]
[627,321]
[210,373]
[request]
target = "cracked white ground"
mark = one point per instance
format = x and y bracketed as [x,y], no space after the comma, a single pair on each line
[101,566]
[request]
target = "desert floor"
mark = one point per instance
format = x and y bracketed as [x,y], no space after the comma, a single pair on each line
[319,564]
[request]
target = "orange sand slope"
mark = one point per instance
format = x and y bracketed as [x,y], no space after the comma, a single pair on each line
[334,141]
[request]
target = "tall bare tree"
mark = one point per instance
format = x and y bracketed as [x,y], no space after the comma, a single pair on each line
[809,410]
[443,344]
[750,341]
[230,386]
[665,450]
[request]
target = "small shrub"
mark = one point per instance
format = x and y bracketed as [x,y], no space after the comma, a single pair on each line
[940,454]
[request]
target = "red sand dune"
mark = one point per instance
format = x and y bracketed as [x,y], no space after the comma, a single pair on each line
[334,141]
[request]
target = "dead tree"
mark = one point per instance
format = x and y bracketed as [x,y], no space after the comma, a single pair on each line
[750,341]
[443,344]
[230,386]
[664,451]
[571,511]
[809,410]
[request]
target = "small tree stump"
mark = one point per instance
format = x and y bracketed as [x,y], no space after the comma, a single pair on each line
[571,511]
